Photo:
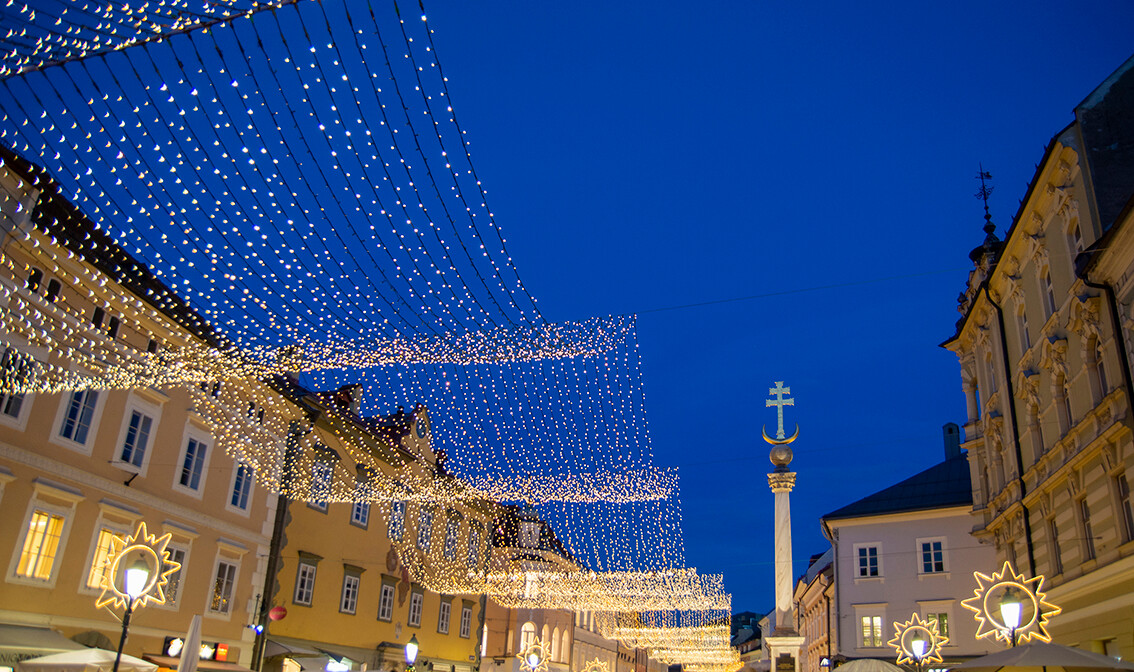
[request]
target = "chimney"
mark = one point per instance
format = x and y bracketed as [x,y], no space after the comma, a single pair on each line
[952,434]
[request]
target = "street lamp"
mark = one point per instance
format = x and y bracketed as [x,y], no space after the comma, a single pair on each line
[136,581]
[411,652]
[1010,608]
[918,646]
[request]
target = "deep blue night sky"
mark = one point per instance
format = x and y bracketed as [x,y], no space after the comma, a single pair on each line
[648,155]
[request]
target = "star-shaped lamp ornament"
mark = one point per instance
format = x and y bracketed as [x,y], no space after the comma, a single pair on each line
[596,665]
[534,658]
[917,641]
[1025,602]
[137,549]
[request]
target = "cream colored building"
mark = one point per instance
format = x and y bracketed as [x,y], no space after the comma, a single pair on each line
[1044,354]
[80,466]
[815,610]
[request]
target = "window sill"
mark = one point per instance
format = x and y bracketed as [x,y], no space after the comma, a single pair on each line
[932,575]
[869,579]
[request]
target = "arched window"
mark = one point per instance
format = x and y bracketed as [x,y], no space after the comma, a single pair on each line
[546,638]
[554,644]
[1096,370]
[1063,404]
[565,645]
[527,636]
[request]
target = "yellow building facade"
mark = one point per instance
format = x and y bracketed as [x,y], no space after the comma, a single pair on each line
[1044,353]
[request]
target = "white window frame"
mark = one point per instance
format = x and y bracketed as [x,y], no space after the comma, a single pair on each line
[20,421]
[386,602]
[173,597]
[452,536]
[304,592]
[68,514]
[416,607]
[876,610]
[92,433]
[136,404]
[321,467]
[425,529]
[466,622]
[855,559]
[927,607]
[250,483]
[357,520]
[919,553]
[475,534]
[122,531]
[209,611]
[444,616]
[201,436]
[353,582]
[396,526]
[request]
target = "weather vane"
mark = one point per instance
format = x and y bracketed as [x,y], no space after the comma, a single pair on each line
[779,402]
[983,193]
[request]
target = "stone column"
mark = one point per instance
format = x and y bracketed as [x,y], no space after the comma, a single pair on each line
[784,643]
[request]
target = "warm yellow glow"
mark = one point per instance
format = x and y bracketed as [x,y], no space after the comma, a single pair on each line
[151,549]
[534,657]
[40,545]
[595,665]
[904,638]
[985,605]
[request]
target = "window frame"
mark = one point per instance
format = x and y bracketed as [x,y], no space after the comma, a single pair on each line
[101,525]
[417,597]
[19,421]
[396,524]
[192,433]
[174,591]
[360,521]
[249,486]
[920,553]
[211,595]
[349,576]
[135,404]
[304,592]
[465,628]
[858,575]
[50,509]
[452,536]
[61,414]
[425,528]
[386,599]
[445,615]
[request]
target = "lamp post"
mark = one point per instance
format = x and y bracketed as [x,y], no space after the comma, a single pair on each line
[136,579]
[1010,607]
[918,646]
[411,653]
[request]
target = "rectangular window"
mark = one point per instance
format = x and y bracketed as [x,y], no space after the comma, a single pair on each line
[1122,488]
[1048,294]
[452,530]
[1076,239]
[474,545]
[397,524]
[348,603]
[360,514]
[80,413]
[321,475]
[1025,337]
[1053,541]
[466,622]
[443,617]
[1088,533]
[137,439]
[10,404]
[425,529]
[241,487]
[193,465]
[101,554]
[871,631]
[40,545]
[932,557]
[386,603]
[223,585]
[173,588]
[304,584]
[868,561]
[942,621]
[415,603]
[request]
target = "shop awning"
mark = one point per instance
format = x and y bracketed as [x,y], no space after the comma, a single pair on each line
[20,642]
[216,665]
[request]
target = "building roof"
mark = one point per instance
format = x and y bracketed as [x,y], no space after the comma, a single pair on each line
[940,486]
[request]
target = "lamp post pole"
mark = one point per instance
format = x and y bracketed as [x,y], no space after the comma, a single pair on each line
[125,627]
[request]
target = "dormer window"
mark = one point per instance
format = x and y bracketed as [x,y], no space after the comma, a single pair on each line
[98,316]
[35,277]
[53,289]
[529,533]
[112,327]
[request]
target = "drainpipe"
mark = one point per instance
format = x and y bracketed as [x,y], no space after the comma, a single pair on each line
[1015,432]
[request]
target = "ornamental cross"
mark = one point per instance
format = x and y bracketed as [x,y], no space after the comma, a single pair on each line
[779,402]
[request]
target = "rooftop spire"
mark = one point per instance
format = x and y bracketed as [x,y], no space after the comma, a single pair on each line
[983,194]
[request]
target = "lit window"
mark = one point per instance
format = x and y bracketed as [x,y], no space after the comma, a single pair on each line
[871,631]
[443,618]
[40,545]
[527,635]
[349,601]
[942,621]
[137,439]
[321,474]
[415,604]
[173,587]
[80,413]
[223,584]
[474,545]
[304,584]
[466,622]
[386,603]
[101,555]
[193,464]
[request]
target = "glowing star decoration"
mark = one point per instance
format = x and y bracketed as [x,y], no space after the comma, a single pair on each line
[1035,612]
[534,658]
[905,636]
[596,665]
[152,550]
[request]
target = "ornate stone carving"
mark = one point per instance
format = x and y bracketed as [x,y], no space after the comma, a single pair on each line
[1027,388]
[1037,250]
[1014,291]
[1083,318]
[781,481]
[1054,358]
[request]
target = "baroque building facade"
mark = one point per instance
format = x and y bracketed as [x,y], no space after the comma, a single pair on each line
[1044,348]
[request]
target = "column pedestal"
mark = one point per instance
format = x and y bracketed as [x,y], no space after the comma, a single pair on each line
[784,651]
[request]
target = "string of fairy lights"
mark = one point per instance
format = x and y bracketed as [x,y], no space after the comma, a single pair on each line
[293,192]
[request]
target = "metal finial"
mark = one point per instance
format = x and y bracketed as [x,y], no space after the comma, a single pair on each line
[983,193]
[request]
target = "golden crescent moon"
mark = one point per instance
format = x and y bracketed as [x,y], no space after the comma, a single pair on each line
[780,442]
